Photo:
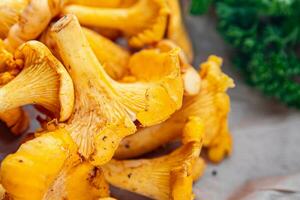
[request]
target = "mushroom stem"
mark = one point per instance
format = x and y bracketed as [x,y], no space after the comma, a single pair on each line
[83,62]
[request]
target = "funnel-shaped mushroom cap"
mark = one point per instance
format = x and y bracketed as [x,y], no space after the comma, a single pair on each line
[144,22]
[34,18]
[165,177]
[176,29]
[48,167]
[105,109]
[10,10]
[16,120]
[43,81]
[212,105]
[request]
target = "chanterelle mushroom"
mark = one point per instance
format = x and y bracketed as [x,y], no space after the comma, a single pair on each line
[49,168]
[105,110]
[9,14]
[43,81]
[212,105]
[111,106]
[165,177]
[144,22]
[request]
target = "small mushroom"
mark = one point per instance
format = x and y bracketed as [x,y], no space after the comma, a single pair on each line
[43,81]
[55,169]
[105,110]
[144,22]
[212,105]
[166,177]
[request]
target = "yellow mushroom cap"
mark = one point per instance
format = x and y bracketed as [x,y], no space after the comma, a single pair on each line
[43,81]
[140,28]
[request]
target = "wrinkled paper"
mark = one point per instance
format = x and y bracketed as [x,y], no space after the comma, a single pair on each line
[273,188]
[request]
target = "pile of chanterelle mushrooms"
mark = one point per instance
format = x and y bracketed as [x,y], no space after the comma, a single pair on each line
[107,105]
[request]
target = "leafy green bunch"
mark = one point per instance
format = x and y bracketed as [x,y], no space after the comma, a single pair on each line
[266,36]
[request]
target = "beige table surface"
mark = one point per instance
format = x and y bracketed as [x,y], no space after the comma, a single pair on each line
[266,134]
